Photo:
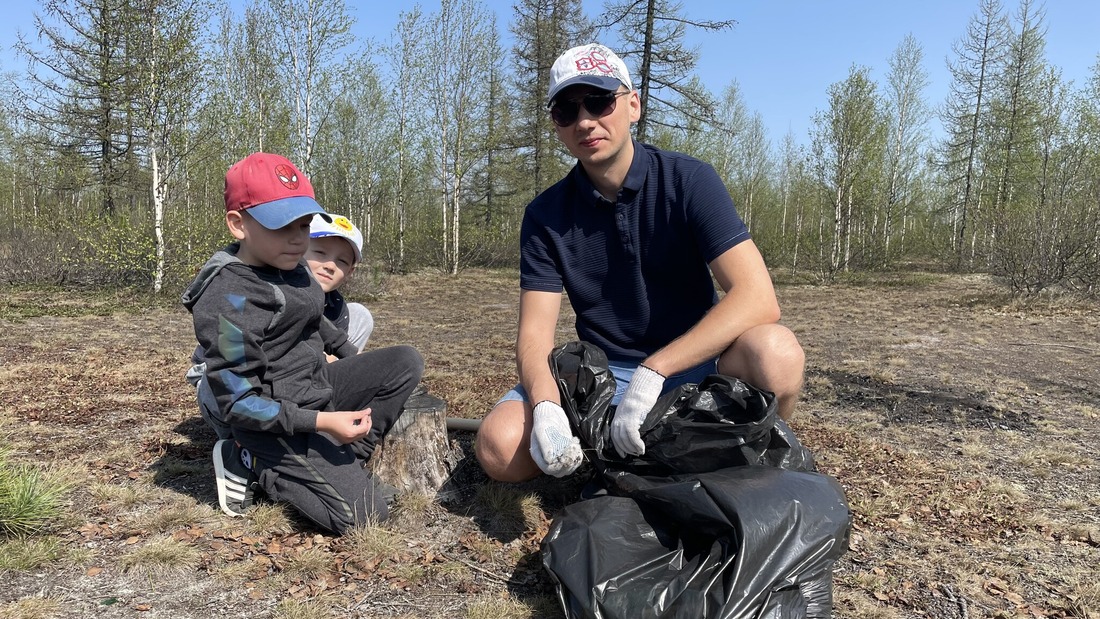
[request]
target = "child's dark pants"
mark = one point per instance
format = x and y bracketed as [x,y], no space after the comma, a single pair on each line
[326,481]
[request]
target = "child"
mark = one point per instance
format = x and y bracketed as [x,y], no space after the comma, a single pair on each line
[335,248]
[301,428]
[331,261]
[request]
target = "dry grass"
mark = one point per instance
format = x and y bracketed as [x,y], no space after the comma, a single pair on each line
[371,542]
[960,425]
[31,608]
[303,609]
[496,609]
[161,555]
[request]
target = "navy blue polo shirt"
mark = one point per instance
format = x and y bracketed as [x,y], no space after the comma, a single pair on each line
[635,270]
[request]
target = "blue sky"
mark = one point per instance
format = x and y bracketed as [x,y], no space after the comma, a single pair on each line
[784,53]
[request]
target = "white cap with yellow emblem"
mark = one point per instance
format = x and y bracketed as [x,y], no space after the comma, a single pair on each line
[339,226]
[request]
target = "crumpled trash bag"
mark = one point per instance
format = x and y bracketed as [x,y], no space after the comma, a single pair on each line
[720,422]
[731,522]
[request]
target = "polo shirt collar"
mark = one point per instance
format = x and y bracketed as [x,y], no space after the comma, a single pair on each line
[635,176]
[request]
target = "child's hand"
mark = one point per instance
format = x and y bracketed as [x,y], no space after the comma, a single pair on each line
[344,426]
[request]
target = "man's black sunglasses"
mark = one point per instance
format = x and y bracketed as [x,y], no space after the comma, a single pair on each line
[564,112]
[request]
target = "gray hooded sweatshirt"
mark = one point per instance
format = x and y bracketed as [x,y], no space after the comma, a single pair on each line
[263,336]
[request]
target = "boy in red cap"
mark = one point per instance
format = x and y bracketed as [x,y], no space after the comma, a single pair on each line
[298,427]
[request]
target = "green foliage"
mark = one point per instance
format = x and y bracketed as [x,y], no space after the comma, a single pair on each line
[30,500]
[121,253]
[405,149]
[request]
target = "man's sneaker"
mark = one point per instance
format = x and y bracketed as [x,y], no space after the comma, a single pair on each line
[235,478]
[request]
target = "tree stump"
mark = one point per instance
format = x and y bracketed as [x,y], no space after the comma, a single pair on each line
[416,454]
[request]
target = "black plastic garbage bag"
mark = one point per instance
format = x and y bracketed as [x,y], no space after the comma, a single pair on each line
[722,516]
[743,542]
[586,387]
[720,422]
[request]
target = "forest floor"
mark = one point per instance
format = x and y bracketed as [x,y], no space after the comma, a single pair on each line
[961,424]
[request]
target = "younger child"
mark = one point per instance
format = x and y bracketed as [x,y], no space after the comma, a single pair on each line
[335,249]
[300,428]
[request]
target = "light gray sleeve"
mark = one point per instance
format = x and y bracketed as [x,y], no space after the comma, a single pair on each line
[360,325]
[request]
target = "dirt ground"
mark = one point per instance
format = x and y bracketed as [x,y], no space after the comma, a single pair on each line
[962,426]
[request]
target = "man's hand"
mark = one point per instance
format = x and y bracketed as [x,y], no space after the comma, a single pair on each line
[554,448]
[345,426]
[641,394]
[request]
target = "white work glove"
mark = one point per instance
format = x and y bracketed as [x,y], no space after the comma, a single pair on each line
[640,396]
[553,446]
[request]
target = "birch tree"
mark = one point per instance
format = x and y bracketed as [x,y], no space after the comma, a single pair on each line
[405,57]
[250,110]
[908,116]
[793,196]
[754,166]
[313,34]
[728,124]
[355,148]
[168,86]
[848,140]
[462,37]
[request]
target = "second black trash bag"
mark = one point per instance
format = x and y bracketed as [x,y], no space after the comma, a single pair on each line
[723,516]
[739,543]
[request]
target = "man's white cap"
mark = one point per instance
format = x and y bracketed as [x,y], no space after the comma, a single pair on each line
[339,226]
[591,64]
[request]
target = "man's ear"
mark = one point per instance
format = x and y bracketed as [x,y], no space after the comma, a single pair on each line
[635,101]
[234,220]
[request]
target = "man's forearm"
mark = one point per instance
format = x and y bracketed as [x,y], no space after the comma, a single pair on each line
[533,366]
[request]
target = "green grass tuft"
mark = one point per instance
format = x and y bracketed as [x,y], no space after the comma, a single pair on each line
[30,500]
[23,554]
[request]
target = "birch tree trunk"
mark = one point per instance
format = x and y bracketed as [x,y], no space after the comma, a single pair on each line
[160,191]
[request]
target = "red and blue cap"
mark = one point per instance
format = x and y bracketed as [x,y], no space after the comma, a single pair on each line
[272,190]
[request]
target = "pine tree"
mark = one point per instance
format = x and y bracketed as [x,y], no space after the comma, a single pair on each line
[652,33]
[542,30]
[83,88]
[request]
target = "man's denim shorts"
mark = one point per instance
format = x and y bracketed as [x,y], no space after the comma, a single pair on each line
[624,371]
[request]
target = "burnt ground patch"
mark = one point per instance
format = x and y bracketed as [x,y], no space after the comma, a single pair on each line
[921,404]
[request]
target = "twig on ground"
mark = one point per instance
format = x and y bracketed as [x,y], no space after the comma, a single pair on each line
[477,567]
[959,600]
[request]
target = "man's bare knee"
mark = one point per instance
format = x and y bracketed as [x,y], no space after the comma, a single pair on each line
[768,357]
[502,444]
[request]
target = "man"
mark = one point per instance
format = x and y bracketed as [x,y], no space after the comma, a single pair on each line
[633,235]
